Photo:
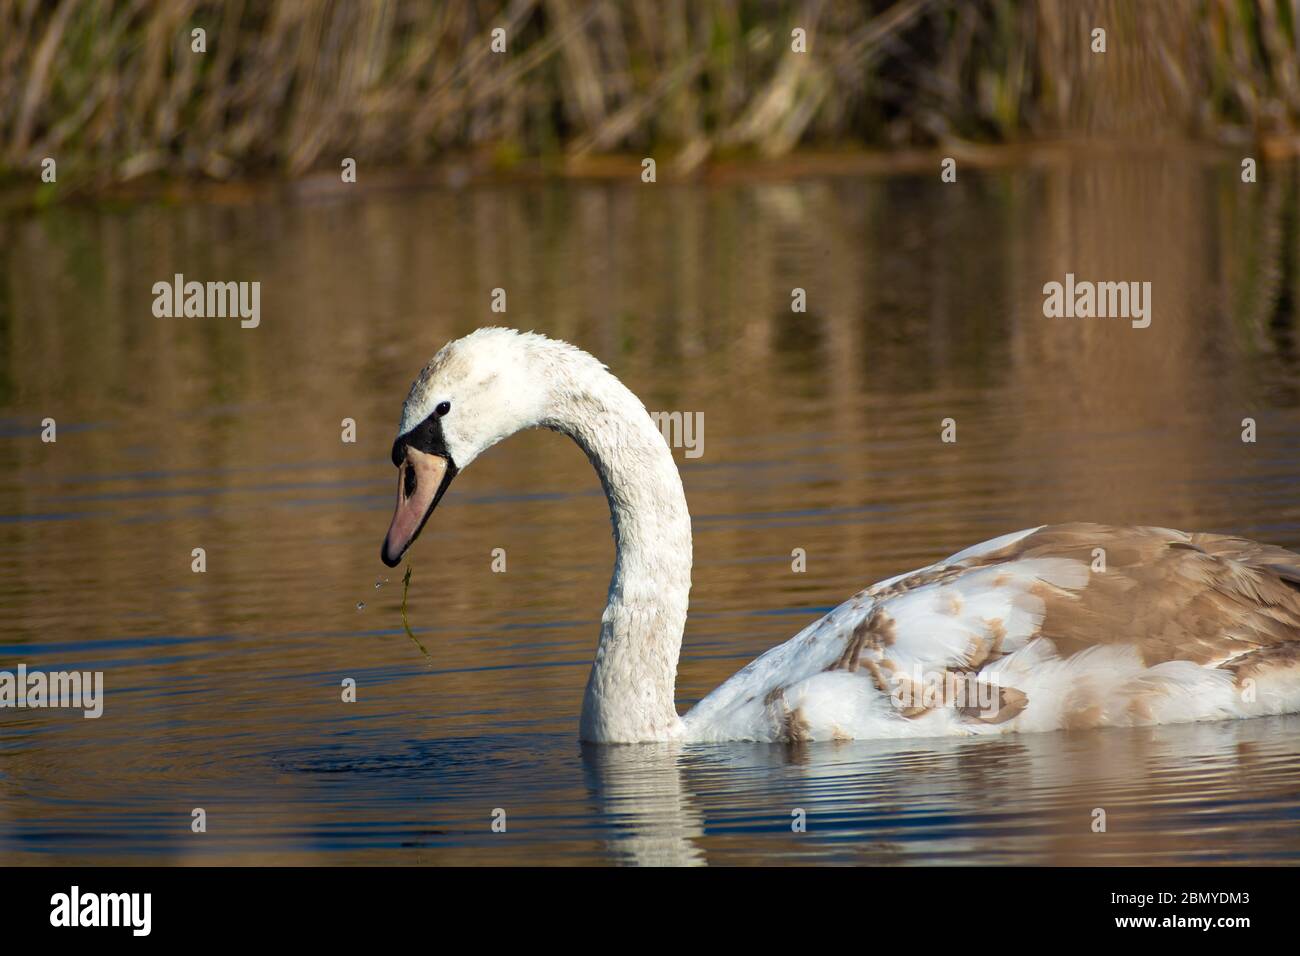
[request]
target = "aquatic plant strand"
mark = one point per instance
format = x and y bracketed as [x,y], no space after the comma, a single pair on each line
[406,587]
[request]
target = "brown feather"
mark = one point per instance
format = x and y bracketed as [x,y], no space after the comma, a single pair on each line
[1204,598]
[1214,600]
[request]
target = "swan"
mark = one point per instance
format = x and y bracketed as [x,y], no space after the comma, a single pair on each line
[1054,627]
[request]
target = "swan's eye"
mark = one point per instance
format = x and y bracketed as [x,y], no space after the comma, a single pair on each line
[442,409]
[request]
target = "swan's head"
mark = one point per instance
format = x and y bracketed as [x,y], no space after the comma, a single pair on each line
[476,391]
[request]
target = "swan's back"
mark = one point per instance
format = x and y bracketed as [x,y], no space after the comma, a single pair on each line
[1063,626]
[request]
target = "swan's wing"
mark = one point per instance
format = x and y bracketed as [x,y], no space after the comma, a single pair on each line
[1091,607]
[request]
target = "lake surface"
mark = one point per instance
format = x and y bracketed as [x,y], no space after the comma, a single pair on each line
[821,432]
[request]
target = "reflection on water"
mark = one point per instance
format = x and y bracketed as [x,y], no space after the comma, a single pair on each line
[924,302]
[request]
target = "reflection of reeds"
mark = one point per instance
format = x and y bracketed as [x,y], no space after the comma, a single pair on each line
[113,91]
[925,301]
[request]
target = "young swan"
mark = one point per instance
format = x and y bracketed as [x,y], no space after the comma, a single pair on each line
[1077,625]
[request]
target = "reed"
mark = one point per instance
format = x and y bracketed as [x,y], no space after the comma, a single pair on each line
[113,91]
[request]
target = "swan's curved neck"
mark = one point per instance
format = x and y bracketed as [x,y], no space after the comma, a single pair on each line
[629,695]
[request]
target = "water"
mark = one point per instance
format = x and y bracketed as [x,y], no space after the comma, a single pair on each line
[821,432]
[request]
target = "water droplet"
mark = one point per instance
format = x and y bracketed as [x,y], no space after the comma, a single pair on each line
[361,605]
[380,583]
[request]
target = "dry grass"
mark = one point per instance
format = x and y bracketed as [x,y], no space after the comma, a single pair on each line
[113,91]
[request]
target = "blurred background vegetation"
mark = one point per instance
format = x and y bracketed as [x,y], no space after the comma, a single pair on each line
[114,92]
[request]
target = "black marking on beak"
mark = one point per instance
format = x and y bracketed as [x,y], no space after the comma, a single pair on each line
[426,437]
[414,453]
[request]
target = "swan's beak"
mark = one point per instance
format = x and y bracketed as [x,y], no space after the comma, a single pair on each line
[421,480]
